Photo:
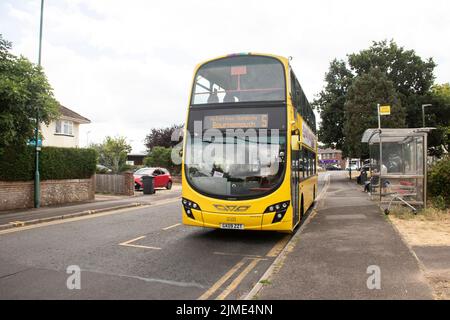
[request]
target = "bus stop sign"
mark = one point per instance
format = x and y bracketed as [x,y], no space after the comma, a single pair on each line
[385,110]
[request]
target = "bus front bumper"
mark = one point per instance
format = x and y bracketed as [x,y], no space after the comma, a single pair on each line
[247,222]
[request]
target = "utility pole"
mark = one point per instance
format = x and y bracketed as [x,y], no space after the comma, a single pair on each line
[37,182]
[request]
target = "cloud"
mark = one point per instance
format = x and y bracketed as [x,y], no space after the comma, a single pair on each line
[128,65]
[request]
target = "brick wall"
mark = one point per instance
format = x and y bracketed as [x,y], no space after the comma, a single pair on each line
[20,195]
[129,183]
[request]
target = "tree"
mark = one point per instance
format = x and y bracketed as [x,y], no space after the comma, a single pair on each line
[161,157]
[330,104]
[411,78]
[163,137]
[361,110]
[24,89]
[438,116]
[113,153]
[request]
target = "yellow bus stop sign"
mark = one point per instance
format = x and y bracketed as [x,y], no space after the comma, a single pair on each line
[385,110]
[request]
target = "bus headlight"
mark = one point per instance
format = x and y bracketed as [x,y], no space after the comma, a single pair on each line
[188,206]
[280,210]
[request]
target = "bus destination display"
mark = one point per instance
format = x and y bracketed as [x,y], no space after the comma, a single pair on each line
[236,121]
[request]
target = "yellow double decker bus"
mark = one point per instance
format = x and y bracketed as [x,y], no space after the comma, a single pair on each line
[250,146]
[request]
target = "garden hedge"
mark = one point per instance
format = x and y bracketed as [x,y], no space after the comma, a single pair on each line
[439,181]
[17,164]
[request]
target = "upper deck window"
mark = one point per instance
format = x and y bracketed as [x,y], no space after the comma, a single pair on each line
[239,79]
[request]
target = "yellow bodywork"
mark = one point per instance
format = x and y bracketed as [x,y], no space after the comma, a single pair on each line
[254,217]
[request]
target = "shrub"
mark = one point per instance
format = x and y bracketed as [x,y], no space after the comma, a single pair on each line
[161,157]
[17,164]
[439,182]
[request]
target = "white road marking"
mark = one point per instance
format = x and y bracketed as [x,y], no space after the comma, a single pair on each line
[173,226]
[129,244]
[169,282]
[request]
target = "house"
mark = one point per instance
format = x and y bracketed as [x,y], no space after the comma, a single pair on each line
[331,157]
[63,132]
[136,159]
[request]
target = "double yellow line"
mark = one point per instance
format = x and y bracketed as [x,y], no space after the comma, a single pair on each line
[274,251]
[235,283]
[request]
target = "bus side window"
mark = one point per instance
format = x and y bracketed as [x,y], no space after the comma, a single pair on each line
[310,164]
[301,165]
[306,162]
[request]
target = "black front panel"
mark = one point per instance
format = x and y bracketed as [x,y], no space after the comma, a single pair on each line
[261,117]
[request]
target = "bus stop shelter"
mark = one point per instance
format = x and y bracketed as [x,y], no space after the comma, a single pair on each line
[398,167]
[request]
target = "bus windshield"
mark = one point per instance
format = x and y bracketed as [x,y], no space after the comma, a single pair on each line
[235,168]
[239,79]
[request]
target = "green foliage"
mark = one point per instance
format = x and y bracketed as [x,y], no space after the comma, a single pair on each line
[407,71]
[331,103]
[439,182]
[438,116]
[24,90]
[411,79]
[361,109]
[161,157]
[17,163]
[113,153]
[163,137]
[439,203]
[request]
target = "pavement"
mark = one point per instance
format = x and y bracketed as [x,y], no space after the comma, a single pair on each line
[102,203]
[342,251]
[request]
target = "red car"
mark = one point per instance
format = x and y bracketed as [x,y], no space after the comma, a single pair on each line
[161,178]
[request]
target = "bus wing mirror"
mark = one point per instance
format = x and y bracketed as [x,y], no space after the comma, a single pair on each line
[295,142]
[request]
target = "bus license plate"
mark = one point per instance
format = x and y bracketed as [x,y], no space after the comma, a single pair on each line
[232,226]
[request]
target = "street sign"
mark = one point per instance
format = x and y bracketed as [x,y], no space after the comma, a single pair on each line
[385,110]
[32,142]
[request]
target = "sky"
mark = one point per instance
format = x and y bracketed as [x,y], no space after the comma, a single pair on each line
[128,65]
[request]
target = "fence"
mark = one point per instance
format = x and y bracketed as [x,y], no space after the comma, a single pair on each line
[115,184]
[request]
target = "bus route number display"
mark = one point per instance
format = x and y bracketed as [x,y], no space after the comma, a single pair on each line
[236,121]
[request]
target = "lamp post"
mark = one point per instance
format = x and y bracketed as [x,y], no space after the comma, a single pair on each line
[423,113]
[37,185]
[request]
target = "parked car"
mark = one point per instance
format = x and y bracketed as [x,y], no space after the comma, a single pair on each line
[161,178]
